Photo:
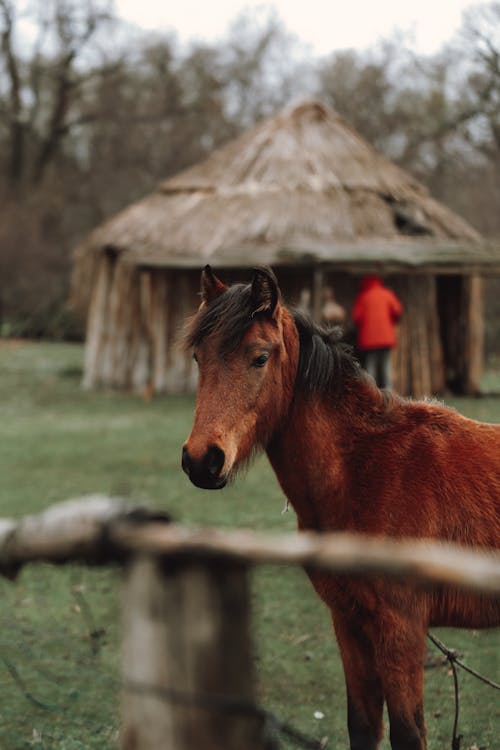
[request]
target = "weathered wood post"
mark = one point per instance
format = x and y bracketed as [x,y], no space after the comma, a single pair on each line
[317,294]
[187,663]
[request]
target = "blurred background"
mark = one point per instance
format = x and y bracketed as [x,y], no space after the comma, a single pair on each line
[99,101]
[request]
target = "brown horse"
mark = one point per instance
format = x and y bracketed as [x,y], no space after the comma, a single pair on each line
[348,457]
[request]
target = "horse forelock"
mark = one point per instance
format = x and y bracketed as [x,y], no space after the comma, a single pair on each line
[228,316]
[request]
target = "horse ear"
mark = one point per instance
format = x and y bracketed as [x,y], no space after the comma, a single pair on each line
[265,291]
[211,286]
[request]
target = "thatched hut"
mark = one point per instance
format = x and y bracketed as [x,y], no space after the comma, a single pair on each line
[304,193]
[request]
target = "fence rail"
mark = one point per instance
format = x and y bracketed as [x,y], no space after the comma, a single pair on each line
[99,530]
[179,585]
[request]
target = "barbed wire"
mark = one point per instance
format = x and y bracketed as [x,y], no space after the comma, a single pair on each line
[229,705]
[14,673]
[57,687]
[454,661]
[274,726]
[452,655]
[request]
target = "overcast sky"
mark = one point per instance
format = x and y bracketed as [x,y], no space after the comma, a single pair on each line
[326,25]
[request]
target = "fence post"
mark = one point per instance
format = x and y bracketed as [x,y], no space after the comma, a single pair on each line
[186,644]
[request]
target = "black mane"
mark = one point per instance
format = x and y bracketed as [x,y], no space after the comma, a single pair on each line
[325,361]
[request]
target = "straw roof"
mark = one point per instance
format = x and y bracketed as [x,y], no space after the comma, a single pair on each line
[302,187]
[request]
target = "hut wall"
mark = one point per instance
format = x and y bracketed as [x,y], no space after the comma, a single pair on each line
[460,300]
[136,317]
[417,361]
[475,334]
[181,373]
[167,299]
[155,301]
[133,329]
[117,348]
[97,320]
[125,358]
[418,364]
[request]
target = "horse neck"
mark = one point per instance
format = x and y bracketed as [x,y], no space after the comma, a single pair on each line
[308,450]
[311,417]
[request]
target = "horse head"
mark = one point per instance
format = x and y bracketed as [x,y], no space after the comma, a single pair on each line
[245,344]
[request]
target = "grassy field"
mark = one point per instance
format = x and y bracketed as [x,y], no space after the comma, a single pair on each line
[60,690]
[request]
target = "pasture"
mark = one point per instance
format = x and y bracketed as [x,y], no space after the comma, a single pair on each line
[59,685]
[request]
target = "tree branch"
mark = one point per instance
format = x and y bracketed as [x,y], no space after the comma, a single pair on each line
[16,127]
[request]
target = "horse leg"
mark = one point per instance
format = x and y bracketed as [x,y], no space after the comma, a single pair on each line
[364,689]
[400,657]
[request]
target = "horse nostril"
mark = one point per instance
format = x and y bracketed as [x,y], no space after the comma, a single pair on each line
[186,459]
[214,460]
[205,472]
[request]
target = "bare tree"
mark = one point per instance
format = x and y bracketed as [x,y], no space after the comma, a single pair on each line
[42,100]
[11,108]
[265,66]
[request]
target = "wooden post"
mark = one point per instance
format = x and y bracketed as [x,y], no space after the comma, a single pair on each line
[317,295]
[97,321]
[474,344]
[187,663]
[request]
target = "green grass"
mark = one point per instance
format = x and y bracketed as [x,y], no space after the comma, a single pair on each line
[57,689]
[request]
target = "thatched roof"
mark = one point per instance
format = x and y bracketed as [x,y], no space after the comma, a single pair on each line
[302,187]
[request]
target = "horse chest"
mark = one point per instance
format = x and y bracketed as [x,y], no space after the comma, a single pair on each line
[314,486]
[318,508]
[349,597]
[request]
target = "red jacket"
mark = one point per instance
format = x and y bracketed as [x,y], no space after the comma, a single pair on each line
[376,312]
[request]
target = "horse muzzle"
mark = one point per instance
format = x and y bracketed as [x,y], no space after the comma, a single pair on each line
[205,472]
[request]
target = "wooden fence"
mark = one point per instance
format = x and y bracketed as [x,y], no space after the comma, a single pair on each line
[187,670]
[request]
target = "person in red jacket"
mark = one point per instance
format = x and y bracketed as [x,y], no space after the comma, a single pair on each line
[376,312]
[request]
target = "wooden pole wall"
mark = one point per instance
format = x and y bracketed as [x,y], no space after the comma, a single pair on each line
[129,349]
[97,320]
[418,364]
[136,316]
[182,374]
[117,347]
[317,294]
[462,331]
[158,327]
[474,291]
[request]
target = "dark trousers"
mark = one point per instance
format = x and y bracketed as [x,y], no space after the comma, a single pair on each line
[377,362]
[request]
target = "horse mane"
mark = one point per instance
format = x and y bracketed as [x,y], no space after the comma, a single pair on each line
[325,361]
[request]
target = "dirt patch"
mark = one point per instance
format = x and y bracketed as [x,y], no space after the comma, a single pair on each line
[14,343]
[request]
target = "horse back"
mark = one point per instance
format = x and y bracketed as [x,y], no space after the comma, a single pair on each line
[430,474]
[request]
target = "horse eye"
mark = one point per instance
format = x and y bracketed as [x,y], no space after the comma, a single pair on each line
[261,360]
[195,357]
